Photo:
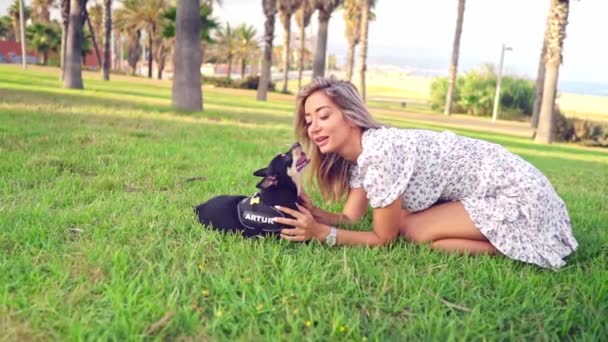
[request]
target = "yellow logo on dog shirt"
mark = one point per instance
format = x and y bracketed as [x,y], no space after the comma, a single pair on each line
[254,200]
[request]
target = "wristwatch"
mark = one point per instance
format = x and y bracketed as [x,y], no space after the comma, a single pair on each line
[331,238]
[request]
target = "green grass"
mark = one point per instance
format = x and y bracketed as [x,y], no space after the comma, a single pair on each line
[98,239]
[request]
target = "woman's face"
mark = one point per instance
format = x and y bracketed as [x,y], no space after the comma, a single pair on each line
[327,127]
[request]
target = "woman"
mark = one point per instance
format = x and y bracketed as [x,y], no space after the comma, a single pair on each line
[456,193]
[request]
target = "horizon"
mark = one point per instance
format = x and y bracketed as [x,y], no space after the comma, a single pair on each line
[430,47]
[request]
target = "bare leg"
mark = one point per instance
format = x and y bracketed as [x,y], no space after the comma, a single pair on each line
[446,226]
[464,246]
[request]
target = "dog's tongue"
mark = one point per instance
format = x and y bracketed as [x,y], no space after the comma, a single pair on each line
[302,161]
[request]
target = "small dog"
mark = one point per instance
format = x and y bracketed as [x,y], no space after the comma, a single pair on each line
[253,216]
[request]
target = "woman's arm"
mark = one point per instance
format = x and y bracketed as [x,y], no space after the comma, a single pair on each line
[385,227]
[354,210]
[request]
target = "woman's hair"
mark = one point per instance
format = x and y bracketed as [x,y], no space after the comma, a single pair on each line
[332,171]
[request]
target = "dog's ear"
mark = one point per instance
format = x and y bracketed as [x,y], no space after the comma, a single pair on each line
[260,172]
[267,182]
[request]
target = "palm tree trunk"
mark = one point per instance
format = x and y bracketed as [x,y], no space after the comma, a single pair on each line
[229,72]
[243,67]
[107,38]
[319,63]
[350,62]
[187,91]
[151,49]
[286,40]
[73,58]
[301,56]
[538,91]
[544,133]
[363,52]
[454,63]
[558,15]
[269,12]
[86,16]
[65,23]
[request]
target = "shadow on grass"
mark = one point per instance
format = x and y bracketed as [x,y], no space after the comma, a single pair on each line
[53,103]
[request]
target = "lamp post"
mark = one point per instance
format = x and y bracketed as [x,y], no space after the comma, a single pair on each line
[498,81]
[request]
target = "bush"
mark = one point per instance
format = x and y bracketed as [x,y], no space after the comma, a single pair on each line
[586,132]
[251,82]
[474,94]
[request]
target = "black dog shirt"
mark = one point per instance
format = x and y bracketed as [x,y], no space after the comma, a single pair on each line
[256,215]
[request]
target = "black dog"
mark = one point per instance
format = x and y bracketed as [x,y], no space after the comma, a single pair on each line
[253,216]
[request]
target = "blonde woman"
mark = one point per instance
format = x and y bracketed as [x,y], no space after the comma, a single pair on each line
[456,193]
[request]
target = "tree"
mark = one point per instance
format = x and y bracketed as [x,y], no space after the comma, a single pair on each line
[187,91]
[352,20]
[558,19]
[6,28]
[286,9]
[43,38]
[366,16]
[226,45]
[325,8]
[303,20]
[270,9]
[208,25]
[41,10]
[73,57]
[246,45]
[65,23]
[13,12]
[138,15]
[107,38]
[454,62]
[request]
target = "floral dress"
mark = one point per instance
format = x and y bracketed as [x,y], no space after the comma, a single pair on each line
[512,203]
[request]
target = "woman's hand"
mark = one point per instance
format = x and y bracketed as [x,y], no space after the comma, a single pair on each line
[306,201]
[305,225]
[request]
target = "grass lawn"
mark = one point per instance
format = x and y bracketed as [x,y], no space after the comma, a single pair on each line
[98,239]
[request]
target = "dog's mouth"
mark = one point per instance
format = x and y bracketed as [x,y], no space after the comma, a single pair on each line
[302,161]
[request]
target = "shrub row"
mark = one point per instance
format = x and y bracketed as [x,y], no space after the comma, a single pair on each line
[250,82]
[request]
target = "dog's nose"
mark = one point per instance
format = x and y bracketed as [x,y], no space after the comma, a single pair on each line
[297,144]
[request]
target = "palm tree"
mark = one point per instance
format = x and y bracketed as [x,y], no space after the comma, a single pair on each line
[65,23]
[41,10]
[187,91]
[558,19]
[270,9]
[6,30]
[325,8]
[73,57]
[107,38]
[43,38]
[13,12]
[286,9]
[142,15]
[226,45]
[166,41]
[352,19]
[454,62]
[366,16]
[246,45]
[303,20]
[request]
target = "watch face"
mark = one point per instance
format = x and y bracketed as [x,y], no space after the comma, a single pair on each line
[330,240]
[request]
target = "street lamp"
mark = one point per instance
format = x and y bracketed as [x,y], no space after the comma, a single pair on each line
[498,81]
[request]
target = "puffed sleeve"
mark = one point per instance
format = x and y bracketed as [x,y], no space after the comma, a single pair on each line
[385,170]
[354,180]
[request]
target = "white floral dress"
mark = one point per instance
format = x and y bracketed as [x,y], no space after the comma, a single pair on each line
[512,203]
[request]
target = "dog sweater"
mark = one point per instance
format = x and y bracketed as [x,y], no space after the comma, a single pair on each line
[256,215]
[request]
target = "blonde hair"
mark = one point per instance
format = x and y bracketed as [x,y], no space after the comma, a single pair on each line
[330,170]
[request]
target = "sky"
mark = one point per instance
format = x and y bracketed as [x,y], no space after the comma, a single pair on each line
[414,31]
[420,33]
